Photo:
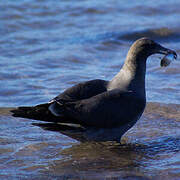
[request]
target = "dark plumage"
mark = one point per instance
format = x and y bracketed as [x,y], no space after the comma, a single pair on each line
[105,109]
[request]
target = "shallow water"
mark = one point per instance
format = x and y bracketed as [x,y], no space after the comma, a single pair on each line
[47,46]
[150,150]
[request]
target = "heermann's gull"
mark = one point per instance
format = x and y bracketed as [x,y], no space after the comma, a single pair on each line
[107,108]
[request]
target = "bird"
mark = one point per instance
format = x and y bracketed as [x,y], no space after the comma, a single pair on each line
[105,110]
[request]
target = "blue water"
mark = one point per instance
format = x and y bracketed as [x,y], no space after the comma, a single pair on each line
[48,46]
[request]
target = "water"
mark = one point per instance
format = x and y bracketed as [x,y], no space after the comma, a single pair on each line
[47,46]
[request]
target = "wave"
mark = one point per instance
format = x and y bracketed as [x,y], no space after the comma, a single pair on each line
[160,34]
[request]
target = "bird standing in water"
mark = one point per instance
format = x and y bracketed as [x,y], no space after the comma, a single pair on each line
[104,109]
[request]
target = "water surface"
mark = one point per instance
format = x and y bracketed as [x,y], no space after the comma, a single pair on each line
[47,46]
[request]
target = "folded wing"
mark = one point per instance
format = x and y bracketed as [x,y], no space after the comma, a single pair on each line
[108,109]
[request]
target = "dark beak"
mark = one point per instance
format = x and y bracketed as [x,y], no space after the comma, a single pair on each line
[165,51]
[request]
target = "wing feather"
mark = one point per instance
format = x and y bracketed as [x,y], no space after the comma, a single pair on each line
[108,109]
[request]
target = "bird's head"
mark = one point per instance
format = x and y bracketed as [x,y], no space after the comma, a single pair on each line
[144,47]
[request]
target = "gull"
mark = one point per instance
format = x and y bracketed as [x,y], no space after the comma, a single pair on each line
[105,110]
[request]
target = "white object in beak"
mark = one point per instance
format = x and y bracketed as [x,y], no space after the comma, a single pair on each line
[166,60]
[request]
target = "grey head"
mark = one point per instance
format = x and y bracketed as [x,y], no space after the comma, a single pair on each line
[132,75]
[145,47]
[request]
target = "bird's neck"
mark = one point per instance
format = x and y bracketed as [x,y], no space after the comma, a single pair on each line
[137,69]
[131,77]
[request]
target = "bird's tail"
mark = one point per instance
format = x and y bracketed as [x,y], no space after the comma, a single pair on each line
[42,112]
[39,112]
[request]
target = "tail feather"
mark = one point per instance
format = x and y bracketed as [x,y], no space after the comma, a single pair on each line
[39,112]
